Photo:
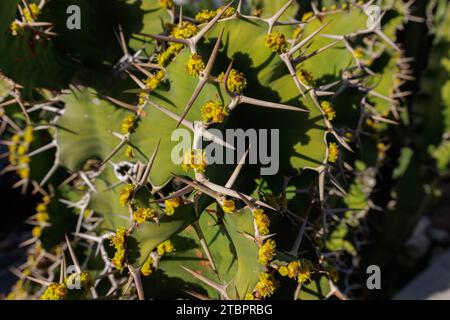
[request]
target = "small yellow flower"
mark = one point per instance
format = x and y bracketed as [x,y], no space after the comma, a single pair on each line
[24,173]
[86,280]
[276,42]
[194,160]
[168,4]
[46,200]
[305,77]
[304,272]
[171,205]
[35,12]
[228,12]
[119,239]
[36,232]
[186,30]
[293,268]
[165,247]
[333,152]
[205,16]
[236,81]
[143,214]
[126,195]
[55,291]
[283,270]
[118,261]
[297,32]
[22,150]
[266,285]
[129,152]
[195,65]
[213,111]
[163,58]
[42,217]
[327,107]
[147,267]
[266,252]
[128,124]
[143,97]
[16,29]
[306,16]
[28,135]
[228,206]
[358,53]
[262,221]
[41,207]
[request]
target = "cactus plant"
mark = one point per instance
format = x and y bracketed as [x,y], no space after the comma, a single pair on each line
[102,122]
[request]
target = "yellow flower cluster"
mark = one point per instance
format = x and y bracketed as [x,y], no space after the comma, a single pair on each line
[168,4]
[276,42]
[194,160]
[236,81]
[213,111]
[185,31]
[154,80]
[118,241]
[228,12]
[147,267]
[262,221]
[358,53]
[142,215]
[35,12]
[165,247]
[18,149]
[327,107]
[171,205]
[306,16]
[333,152]
[228,206]
[267,252]
[205,16]
[266,285]
[86,280]
[16,29]
[126,195]
[55,291]
[305,77]
[195,65]
[297,270]
[41,210]
[129,152]
[129,124]
[297,32]
[36,232]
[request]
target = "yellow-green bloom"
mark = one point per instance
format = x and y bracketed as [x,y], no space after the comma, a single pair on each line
[143,214]
[165,247]
[266,285]
[266,252]
[276,42]
[171,205]
[333,152]
[195,65]
[126,195]
[55,291]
